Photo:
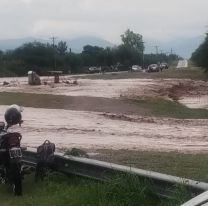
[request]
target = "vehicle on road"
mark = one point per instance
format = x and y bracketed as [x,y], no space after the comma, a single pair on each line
[153,68]
[136,68]
[92,70]
[164,66]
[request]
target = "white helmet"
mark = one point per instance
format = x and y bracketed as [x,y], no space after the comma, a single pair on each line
[13,115]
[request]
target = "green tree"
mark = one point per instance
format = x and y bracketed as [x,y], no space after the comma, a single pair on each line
[200,56]
[132,49]
[93,56]
[133,41]
[34,53]
[154,58]
[62,48]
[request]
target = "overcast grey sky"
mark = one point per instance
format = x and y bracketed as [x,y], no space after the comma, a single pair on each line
[155,19]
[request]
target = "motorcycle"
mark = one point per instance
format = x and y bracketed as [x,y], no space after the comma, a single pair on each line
[10,158]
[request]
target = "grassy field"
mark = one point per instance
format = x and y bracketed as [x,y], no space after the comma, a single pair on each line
[59,190]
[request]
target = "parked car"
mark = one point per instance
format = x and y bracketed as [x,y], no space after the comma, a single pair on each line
[136,68]
[163,65]
[92,70]
[153,68]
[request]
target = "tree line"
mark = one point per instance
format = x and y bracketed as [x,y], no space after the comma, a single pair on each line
[200,55]
[42,57]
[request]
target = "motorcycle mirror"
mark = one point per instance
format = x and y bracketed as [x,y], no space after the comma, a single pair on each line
[20,124]
[2,125]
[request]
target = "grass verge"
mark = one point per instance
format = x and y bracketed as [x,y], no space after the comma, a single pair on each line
[193,166]
[186,73]
[166,108]
[59,190]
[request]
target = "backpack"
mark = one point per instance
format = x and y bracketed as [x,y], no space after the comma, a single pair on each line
[45,152]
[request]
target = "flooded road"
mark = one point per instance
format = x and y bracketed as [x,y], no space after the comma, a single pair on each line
[95,130]
[193,94]
[85,87]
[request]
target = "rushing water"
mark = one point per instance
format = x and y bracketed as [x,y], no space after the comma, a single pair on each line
[92,130]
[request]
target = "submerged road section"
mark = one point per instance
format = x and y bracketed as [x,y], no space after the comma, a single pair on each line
[98,130]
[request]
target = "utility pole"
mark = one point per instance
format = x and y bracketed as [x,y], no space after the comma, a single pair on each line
[53,38]
[53,44]
[156,47]
[157,56]
[143,54]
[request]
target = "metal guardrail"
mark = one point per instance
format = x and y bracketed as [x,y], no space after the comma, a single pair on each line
[162,184]
[200,200]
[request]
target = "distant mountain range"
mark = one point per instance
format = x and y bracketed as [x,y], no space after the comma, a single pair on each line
[75,44]
[183,47]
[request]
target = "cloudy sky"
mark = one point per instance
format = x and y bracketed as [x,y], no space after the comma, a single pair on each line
[155,19]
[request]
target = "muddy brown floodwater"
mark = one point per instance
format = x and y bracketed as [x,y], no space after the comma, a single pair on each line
[97,130]
[193,94]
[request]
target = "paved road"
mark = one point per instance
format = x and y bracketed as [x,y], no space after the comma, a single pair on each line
[182,64]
